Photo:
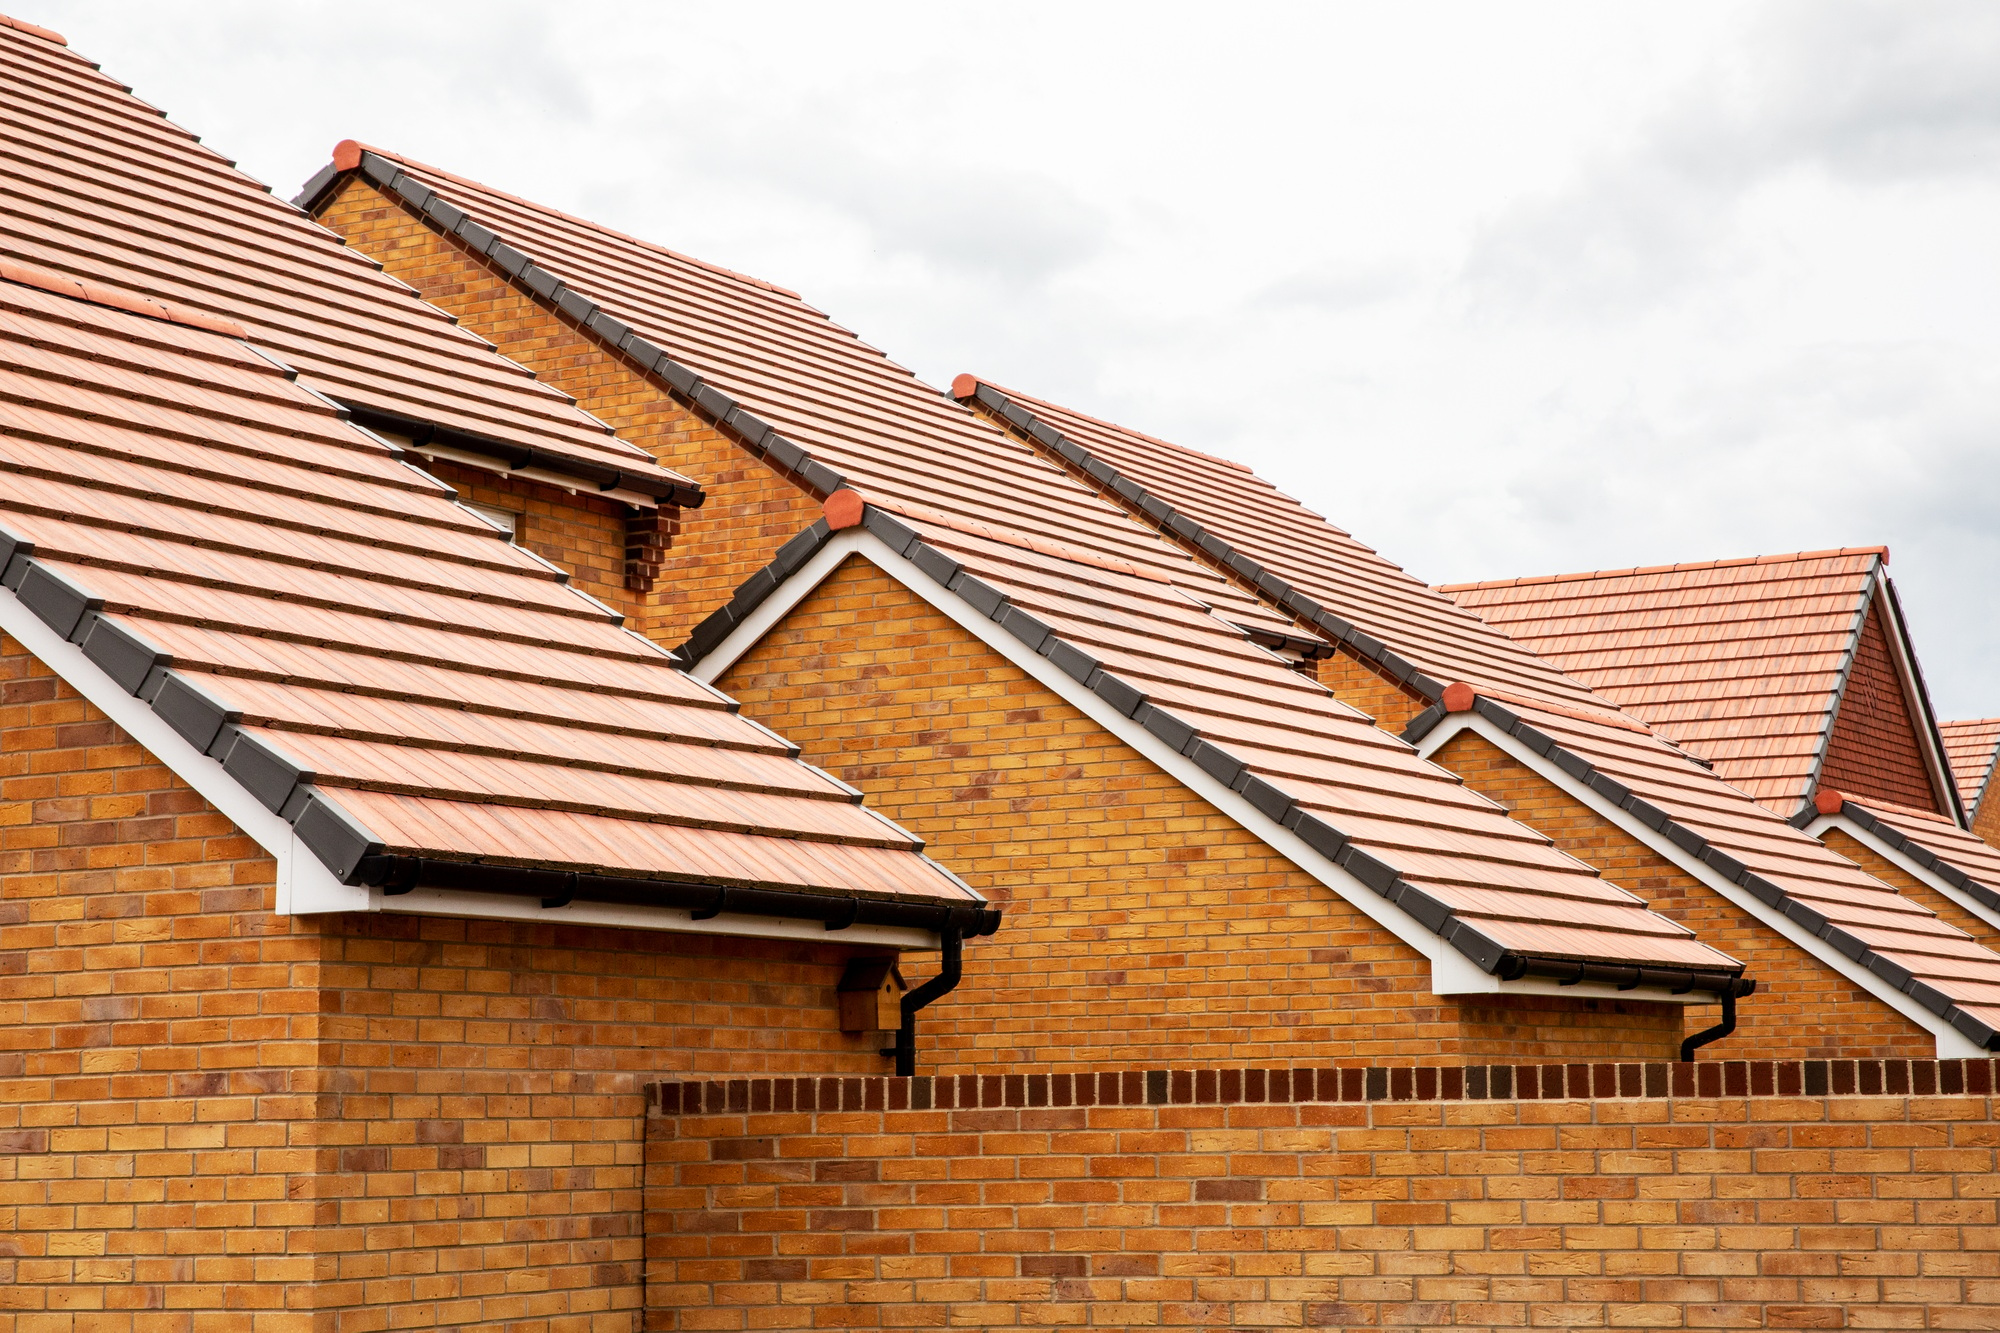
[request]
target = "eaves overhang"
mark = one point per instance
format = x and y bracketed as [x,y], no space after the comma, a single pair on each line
[573,306]
[1958,1034]
[1886,840]
[329,861]
[1463,959]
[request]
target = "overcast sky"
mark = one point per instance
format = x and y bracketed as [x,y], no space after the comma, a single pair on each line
[1503,289]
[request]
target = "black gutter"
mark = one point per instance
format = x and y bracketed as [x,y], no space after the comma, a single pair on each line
[587,314]
[1910,847]
[602,477]
[341,842]
[1127,699]
[397,875]
[1282,595]
[939,986]
[1716,1033]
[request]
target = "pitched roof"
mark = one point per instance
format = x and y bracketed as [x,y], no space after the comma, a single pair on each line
[1972,746]
[792,385]
[97,185]
[424,702]
[1494,888]
[1771,667]
[838,415]
[1304,565]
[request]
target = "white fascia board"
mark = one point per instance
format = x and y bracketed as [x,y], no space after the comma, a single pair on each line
[1901,859]
[1452,973]
[305,887]
[1951,1043]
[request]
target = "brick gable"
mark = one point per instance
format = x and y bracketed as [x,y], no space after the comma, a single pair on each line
[1142,923]
[1874,753]
[1800,1010]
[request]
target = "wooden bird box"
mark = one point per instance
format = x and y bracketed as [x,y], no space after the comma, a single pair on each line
[871,996]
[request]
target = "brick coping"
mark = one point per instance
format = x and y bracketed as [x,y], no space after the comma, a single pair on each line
[1227,1087]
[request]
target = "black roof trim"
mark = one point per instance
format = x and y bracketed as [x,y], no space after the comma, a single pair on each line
[1183,528]
[396,875]
[602,477]
[550,289]
[1706,852]
[335,836]
[1129,700]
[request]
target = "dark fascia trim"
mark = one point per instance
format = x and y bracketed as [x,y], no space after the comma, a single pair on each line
[1848,656]
[516,457]
[1909,847]
[347,848]
[1721,862]
[1157,511]
[548,288]
[1129,700]
[396,875]
[1940,761]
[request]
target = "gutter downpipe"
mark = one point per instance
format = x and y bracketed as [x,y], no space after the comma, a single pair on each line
[905,1049]
[1703,1038]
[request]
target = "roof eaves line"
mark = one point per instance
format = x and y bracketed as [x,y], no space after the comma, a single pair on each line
[1724,865]
[1926,858]
[588,315]
[285,788]
[1170,520]
[1129,701]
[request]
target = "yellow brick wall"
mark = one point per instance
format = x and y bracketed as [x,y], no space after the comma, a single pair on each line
[1986,823]
[1142,924]
[750,509]
[1358,685]
[1771,1211]
[1801,1009]
[211,1113]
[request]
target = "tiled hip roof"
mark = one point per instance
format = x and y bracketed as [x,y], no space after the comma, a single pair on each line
[1973,747]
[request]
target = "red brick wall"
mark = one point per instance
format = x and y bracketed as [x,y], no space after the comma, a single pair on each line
[1837,1195]
[1873,753]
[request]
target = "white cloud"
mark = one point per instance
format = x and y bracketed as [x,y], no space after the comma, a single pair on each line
[1503,289]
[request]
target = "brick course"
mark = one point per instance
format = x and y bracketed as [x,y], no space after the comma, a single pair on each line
[1711,1196]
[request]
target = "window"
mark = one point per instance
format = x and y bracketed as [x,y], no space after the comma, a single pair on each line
[506,520]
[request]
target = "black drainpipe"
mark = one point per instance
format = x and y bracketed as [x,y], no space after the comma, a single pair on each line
[1699,1039]
[905,1049]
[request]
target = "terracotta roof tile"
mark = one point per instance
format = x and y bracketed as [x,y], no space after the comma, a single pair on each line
[98,188]
[1297,559]
[1972,746]
[356,638]
[1058,551]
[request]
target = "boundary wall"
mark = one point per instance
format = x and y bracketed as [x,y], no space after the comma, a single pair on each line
[1732,1194]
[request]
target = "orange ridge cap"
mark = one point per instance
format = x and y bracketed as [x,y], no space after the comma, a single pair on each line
[33,30]
[96,293]
[1618,720]
[1685,567]
[1828,801]
[1458,697]
[844,508]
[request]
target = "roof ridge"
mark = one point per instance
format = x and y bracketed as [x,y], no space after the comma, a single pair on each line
[33,29]
[1684,567]
[347,157]
[97,293]
[966,385]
